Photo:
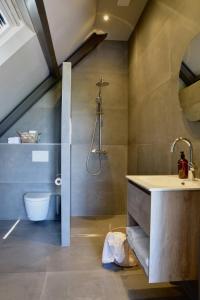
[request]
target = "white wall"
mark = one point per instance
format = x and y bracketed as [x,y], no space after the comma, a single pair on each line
[20,74]
[70,23]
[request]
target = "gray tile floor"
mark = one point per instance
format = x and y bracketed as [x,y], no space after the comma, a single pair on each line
[33,266]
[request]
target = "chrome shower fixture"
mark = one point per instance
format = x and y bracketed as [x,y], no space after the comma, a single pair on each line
[97,149]
[102,83]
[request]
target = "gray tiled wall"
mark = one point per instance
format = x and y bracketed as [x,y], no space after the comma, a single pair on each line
[100,195]
[106,193]
[156,51]
[44,116]
[12,203]
[18,174]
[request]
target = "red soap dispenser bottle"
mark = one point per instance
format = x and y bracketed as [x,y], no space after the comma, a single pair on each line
[182,167]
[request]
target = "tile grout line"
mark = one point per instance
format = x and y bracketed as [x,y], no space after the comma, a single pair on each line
[44,286]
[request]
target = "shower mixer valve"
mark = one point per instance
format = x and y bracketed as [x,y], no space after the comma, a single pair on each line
[97,151]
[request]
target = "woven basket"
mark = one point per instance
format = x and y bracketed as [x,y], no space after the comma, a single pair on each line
[29,137]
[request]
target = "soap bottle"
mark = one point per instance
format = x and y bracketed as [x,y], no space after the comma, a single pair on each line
[182,167]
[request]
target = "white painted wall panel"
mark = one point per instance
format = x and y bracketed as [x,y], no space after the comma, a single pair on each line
[19,75]
[70,23]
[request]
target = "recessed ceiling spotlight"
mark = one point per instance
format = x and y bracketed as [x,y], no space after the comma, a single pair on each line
[106,18]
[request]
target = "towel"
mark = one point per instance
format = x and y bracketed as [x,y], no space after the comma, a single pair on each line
[113,250]
[139,242]
[14,140]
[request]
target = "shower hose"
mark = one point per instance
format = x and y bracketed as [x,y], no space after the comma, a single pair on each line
[98,170]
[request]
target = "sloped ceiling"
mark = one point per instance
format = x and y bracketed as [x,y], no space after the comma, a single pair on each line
[123,15]
[70,22]
[20,75]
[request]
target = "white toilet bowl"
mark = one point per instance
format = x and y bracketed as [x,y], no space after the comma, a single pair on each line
[37,205]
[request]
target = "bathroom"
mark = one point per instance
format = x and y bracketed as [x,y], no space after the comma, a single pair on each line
[139,61]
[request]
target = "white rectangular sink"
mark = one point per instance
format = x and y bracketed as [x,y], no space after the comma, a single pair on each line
[164,182]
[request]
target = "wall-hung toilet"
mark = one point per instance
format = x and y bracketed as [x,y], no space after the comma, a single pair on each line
[37,205]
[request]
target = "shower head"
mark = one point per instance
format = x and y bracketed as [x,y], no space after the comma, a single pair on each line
[102,83]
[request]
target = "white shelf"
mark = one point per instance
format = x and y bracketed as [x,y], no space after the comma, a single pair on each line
[139,243]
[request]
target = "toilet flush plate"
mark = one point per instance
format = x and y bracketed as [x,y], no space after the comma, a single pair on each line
[40,156]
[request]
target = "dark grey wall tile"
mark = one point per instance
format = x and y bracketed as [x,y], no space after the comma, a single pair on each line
[102,194]
[155,114]
[105,193]
[17,166]
[44,116]
[12,202]
[18,173]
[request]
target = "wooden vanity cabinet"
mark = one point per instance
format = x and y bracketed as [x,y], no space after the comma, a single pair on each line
[171,221]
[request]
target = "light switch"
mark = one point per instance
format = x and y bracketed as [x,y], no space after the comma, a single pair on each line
[40,156]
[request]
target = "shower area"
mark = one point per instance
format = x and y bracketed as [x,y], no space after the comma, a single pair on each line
[93,167]
[96,150]
[99,132]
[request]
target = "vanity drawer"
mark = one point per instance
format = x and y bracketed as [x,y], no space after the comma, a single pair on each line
[139,206]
